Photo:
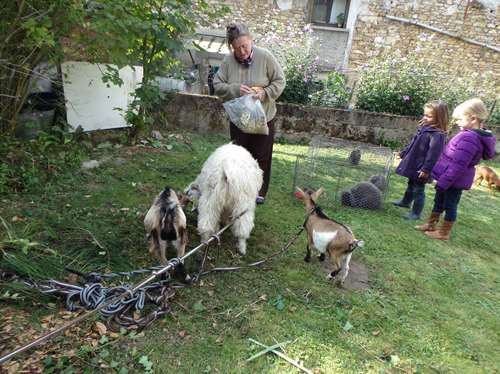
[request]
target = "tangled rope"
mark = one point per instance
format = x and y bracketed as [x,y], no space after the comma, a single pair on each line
[92,295]
[119,302]
[95,277]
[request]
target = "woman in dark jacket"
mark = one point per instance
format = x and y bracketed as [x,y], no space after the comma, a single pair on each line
[420,156]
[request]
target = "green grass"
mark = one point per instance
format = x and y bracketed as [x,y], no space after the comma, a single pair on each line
[431,306]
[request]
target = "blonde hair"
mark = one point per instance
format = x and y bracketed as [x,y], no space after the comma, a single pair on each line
[440,110]
[473,108]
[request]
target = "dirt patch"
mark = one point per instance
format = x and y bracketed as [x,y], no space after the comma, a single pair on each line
[357,279]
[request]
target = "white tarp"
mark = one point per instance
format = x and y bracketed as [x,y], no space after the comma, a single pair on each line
[89,102]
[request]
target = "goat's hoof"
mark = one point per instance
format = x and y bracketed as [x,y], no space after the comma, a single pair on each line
[321,257]
[307,258]
[333,274]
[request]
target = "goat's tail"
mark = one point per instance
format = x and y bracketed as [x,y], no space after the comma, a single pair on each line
[356,244]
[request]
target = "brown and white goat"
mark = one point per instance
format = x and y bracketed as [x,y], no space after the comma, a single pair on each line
[165,225]
[327,236]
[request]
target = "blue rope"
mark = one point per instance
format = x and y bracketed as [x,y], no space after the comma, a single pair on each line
[92,295]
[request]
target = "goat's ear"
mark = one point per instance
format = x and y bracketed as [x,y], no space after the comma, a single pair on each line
[317,193]
[183,199]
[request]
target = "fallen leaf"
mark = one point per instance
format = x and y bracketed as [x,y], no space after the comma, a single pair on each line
[13,368]
[376,333]
[71,278]
[101,327]
[47,318]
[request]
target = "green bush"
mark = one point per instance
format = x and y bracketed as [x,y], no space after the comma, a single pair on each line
[334,93]
[299,60]
[463,89]
[28,164]
[301,69]
[495,117]
[395,85]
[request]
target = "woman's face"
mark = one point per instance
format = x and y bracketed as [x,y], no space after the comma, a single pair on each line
[242,47]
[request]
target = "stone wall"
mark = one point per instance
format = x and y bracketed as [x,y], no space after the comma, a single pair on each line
[201,113]
[370,34]
[205,114]
[264,17]
[375,34]
[285,22]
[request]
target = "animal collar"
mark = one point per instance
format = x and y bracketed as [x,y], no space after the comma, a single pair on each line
[307,216]
[331,219]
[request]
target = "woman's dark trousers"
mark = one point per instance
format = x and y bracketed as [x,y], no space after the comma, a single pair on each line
[260,147]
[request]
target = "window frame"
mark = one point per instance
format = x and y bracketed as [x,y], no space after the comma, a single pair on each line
[329,13]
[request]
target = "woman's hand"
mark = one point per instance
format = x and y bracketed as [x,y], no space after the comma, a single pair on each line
[259,93]
[245,90]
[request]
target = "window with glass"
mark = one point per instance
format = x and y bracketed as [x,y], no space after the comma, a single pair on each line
[330,12]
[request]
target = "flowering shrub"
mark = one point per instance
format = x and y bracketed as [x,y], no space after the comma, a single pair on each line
[299,58]
[334,93]
[495,117]
[464,88]
[395,85]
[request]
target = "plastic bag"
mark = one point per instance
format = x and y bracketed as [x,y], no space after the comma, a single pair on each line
[247,114]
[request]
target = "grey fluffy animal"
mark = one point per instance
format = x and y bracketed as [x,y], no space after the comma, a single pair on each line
[379,181]
[363,195]
[355,156]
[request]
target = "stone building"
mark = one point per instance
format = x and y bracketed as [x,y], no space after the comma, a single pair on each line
[460,37]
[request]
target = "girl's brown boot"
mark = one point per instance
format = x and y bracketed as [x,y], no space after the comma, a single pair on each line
[431,223]
[443,233]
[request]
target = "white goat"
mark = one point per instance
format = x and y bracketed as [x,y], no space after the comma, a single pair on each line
[227,186]
[165,224]
[327,236]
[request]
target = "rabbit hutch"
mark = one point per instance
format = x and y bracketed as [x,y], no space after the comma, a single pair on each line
[352,173]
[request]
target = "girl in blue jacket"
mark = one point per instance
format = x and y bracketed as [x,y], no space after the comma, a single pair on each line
[420,156]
